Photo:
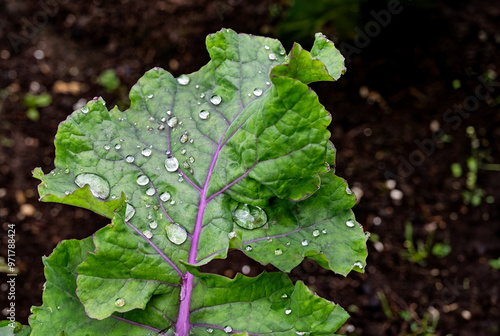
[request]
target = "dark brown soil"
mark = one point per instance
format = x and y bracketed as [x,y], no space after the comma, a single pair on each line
[391,121]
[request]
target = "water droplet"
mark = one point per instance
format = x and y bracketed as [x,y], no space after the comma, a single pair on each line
[268,83]
[176,233]
[184,138]
[210,330]
[232,235]
[350,223]
[165,196]
[150,96]
[305,242]
[142,180]
[129,212]
[191,159]
[284,296]
[148,234]
[180,179]
[269,239]
[172,122]
[300,333]
[272,56]
[348,191]
[150,192]
[288,311]
[216,100]
[118,146]
[67,192]
[106,147]
[153,225]
[316,233]
[98,186]
[278,252]
[202,95]
[130,159]
[191,141]
[169,112]
[249,217]
[257,92]
[171,164]
[228,329]
[358,264]
[183,151]
[248,248]
[146,152]
[85,109]
[266,47]
[183,80]
[186,165]
[66,171]
[172,202]
[204,114]
[161,127]
[120,302]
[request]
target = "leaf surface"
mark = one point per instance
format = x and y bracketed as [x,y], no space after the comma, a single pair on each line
[176,173]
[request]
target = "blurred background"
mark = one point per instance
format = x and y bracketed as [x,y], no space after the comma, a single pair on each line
[416,122]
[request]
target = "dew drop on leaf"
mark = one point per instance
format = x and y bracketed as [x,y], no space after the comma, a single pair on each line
[183,80]
[323,231]
[148,234]
[216,100]
[288,311]
[118,146]
[248,248]
[350,223]
[257,92]
[278,252]
[204,114]
[107,147]
[130,159]
[153,225]
[171,164]
[98,186]
[305,242]
[249,217]
[150,192]
[146,152]
[129,212]
[165,196]
[184,138]
[210,330]
[316,233]
[228,329]
[191,159]
[120,302]
[142,180]
[284,296]
[348,191]
[172,122]
[272,56]
[358,264]
[266,47]
[176,233]
[85,109]
[150,96]
[232,235]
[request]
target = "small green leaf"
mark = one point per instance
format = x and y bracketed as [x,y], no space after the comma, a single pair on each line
[109,80]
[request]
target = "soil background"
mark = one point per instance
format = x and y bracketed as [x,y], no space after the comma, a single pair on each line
[396,124]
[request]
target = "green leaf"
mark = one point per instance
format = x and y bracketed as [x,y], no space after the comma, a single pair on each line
[8,328]
[62,312]
[226,157]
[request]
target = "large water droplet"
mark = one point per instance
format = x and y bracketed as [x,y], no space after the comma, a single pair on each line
[85,109]
[150,192]
[153,225]
[142,180]
[165,196]
[172,122]
[216,100]
[257,92]
[129,212]
[248,248]
[272,56]
[130,159]
[120,302]
[278,252]
[183,80]
[249,217]
[171,164]
[350,223]
[176,233]
[305,242]
[316,233]
[204,115]
[118,146]
[184,138]
[146,152]
[98,186]
[228,329]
